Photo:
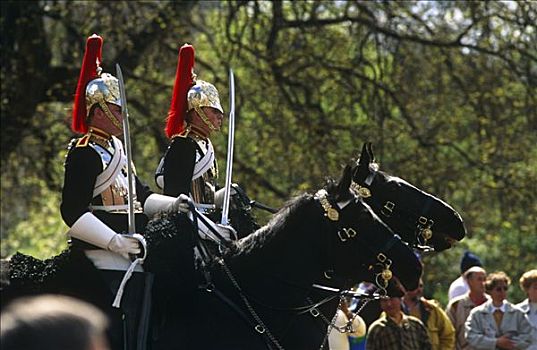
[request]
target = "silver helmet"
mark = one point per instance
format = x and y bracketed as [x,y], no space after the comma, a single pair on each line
[102,90]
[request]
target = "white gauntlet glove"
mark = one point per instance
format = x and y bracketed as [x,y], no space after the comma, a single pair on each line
[227,232]
[157,203]
[205,232]
[181,203]
[124,245]
[219,196]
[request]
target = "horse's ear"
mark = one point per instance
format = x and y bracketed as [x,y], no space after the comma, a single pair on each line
[370,152]
[361,170]
[345,183]
[365,157]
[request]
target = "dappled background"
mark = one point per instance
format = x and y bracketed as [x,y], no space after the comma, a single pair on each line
[446,91]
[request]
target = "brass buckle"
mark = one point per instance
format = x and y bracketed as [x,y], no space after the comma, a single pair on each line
[348,232]
[381,257]
[387,209]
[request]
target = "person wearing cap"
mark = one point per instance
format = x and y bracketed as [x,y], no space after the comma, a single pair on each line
[459,308]
[459,286]
[439,327]
[498,324]
[528,283]
[95,206]
[189,169]
[395,330]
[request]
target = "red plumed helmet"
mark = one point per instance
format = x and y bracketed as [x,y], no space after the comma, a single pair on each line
[184,79]
[88,72]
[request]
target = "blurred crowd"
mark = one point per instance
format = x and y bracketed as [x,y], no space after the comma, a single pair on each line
[477,316]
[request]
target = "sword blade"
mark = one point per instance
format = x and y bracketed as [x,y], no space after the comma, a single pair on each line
[127,142]
[230,141]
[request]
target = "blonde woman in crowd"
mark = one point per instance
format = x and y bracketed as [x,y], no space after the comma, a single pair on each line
[498,323]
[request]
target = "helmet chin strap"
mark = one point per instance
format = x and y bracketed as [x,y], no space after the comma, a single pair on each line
[205,119]
[110,116]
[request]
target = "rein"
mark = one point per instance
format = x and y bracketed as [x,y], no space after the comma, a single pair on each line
[367,297]
[252,318]
[209,287]
[260,327]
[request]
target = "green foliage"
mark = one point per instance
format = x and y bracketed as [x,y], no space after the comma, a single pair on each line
[444,90]
[43,234]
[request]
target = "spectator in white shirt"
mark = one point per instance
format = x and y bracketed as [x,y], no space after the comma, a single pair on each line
[460,286]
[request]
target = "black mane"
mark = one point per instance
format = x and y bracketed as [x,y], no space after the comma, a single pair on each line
[278,223]
[287,215]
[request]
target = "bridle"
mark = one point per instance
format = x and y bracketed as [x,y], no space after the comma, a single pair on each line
[343,234]
[347,234]
[388,209]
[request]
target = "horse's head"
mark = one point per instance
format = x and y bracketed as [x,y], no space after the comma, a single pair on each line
[362,244]
[420,218]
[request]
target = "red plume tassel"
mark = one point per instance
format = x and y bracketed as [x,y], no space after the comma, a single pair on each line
[88,72]
[183,82]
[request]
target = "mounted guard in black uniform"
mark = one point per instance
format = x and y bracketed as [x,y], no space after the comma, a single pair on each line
[95,204]
[189,166]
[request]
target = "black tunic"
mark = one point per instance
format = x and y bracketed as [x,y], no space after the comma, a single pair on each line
[82,166]
[179,163]
[79,277]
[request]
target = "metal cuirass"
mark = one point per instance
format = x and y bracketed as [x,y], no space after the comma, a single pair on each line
[203,186]
[205,172]
[113,194]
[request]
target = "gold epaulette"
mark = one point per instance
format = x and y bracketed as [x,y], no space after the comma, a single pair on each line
[182,134]
[83,141]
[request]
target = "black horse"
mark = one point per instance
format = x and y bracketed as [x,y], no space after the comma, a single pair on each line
[256,296]
[421,219]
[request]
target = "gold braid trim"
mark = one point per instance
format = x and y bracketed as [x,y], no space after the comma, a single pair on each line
[96,135]
[110,116]
[182,134]
[205,119]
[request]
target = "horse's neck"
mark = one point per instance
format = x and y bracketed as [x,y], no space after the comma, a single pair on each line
[285,267]
[276,278]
